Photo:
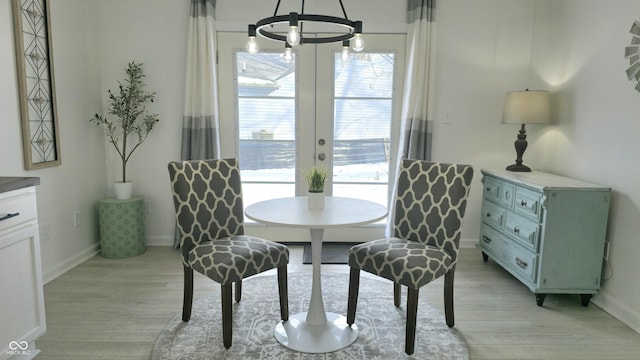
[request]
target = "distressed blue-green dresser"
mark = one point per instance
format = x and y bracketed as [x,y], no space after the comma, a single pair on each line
[548,231]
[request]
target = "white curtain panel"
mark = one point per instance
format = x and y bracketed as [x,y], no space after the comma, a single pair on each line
[415,140]
[200,135]
[416,128]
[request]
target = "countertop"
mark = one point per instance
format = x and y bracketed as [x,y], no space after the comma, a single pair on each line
[13,183]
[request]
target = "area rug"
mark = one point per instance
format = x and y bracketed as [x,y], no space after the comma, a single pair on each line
[381,324]
[332,253]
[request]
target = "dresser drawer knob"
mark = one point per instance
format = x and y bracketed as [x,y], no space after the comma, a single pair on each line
[523,264]
[523,203]
[9,216]
[488,215]
[516,230]
[486,239]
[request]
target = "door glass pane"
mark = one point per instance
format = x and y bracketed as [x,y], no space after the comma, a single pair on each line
[362,129]
[266,98]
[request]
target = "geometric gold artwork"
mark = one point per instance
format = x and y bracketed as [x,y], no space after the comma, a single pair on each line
[632,52]
[36,85]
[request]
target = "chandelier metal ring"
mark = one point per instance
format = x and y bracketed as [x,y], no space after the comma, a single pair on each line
[351,26]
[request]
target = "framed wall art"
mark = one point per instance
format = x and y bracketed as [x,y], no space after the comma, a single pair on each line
[36,85]
[632,52]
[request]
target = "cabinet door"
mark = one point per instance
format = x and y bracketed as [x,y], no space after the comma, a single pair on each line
[22,302]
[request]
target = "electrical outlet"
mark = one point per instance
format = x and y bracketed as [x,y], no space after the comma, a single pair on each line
[76,219]
[606,250]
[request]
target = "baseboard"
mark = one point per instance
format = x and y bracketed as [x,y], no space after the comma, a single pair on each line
[72,262]
[622,312]
[468,242]
[159,240]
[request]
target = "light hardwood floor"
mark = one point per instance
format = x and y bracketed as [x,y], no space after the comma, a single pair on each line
[115,309]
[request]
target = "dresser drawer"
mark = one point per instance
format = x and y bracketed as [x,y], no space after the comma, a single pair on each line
[520,260]
[17,207]
[508,194]
[524,231]
[493,215]
[491,189]
[491,241]
[527,203]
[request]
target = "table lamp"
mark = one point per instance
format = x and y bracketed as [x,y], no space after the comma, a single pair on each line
[524,107]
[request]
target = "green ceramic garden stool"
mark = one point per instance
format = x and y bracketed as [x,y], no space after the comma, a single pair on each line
[122,227]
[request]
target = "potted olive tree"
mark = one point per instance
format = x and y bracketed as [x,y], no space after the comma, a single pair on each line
[131,123]
[316,178]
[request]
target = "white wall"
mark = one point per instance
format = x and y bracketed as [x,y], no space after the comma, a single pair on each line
[75,185]
[155,34]
[578,54]
[482,51]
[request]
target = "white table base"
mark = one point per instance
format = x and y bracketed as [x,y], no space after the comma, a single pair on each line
[316,331]
[298,335]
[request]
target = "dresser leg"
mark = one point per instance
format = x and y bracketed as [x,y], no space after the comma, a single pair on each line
[540,299]
[485,257]
[585,299]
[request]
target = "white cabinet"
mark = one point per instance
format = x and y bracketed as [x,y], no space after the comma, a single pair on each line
[22,317]
[546,230]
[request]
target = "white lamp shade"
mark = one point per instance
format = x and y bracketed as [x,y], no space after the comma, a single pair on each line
[526,107]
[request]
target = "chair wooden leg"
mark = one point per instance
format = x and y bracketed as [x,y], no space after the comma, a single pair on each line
[227,307]
[396,294]
[283,292]
[448,297]
[412,311]
[354,285]
[238,290]
[187,299]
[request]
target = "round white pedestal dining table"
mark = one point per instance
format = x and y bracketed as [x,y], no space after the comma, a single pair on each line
[316,331]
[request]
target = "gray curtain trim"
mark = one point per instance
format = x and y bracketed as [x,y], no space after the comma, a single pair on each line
[418,136]
[421,9]
[197,144]
[202,7]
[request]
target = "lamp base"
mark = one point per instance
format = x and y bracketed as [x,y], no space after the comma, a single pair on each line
[518,168]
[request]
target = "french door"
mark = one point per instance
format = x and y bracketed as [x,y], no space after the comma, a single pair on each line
[281,116]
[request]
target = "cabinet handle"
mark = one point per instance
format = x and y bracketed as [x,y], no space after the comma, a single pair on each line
[516,230]
[507,195]
[9,216]
[486,239]
[523,203]
[488,215]
[523,264]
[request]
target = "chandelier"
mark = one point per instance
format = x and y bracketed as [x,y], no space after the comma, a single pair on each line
[350,34]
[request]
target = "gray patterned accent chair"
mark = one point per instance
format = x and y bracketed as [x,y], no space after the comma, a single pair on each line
[430,203]
[208,201]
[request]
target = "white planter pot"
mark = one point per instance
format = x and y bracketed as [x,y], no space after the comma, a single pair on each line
[123,190]
[315,201]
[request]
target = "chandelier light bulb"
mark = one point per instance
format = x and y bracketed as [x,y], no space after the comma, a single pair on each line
[357,43]
[252,45]
[288,55]
[344,55]
[293,36]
